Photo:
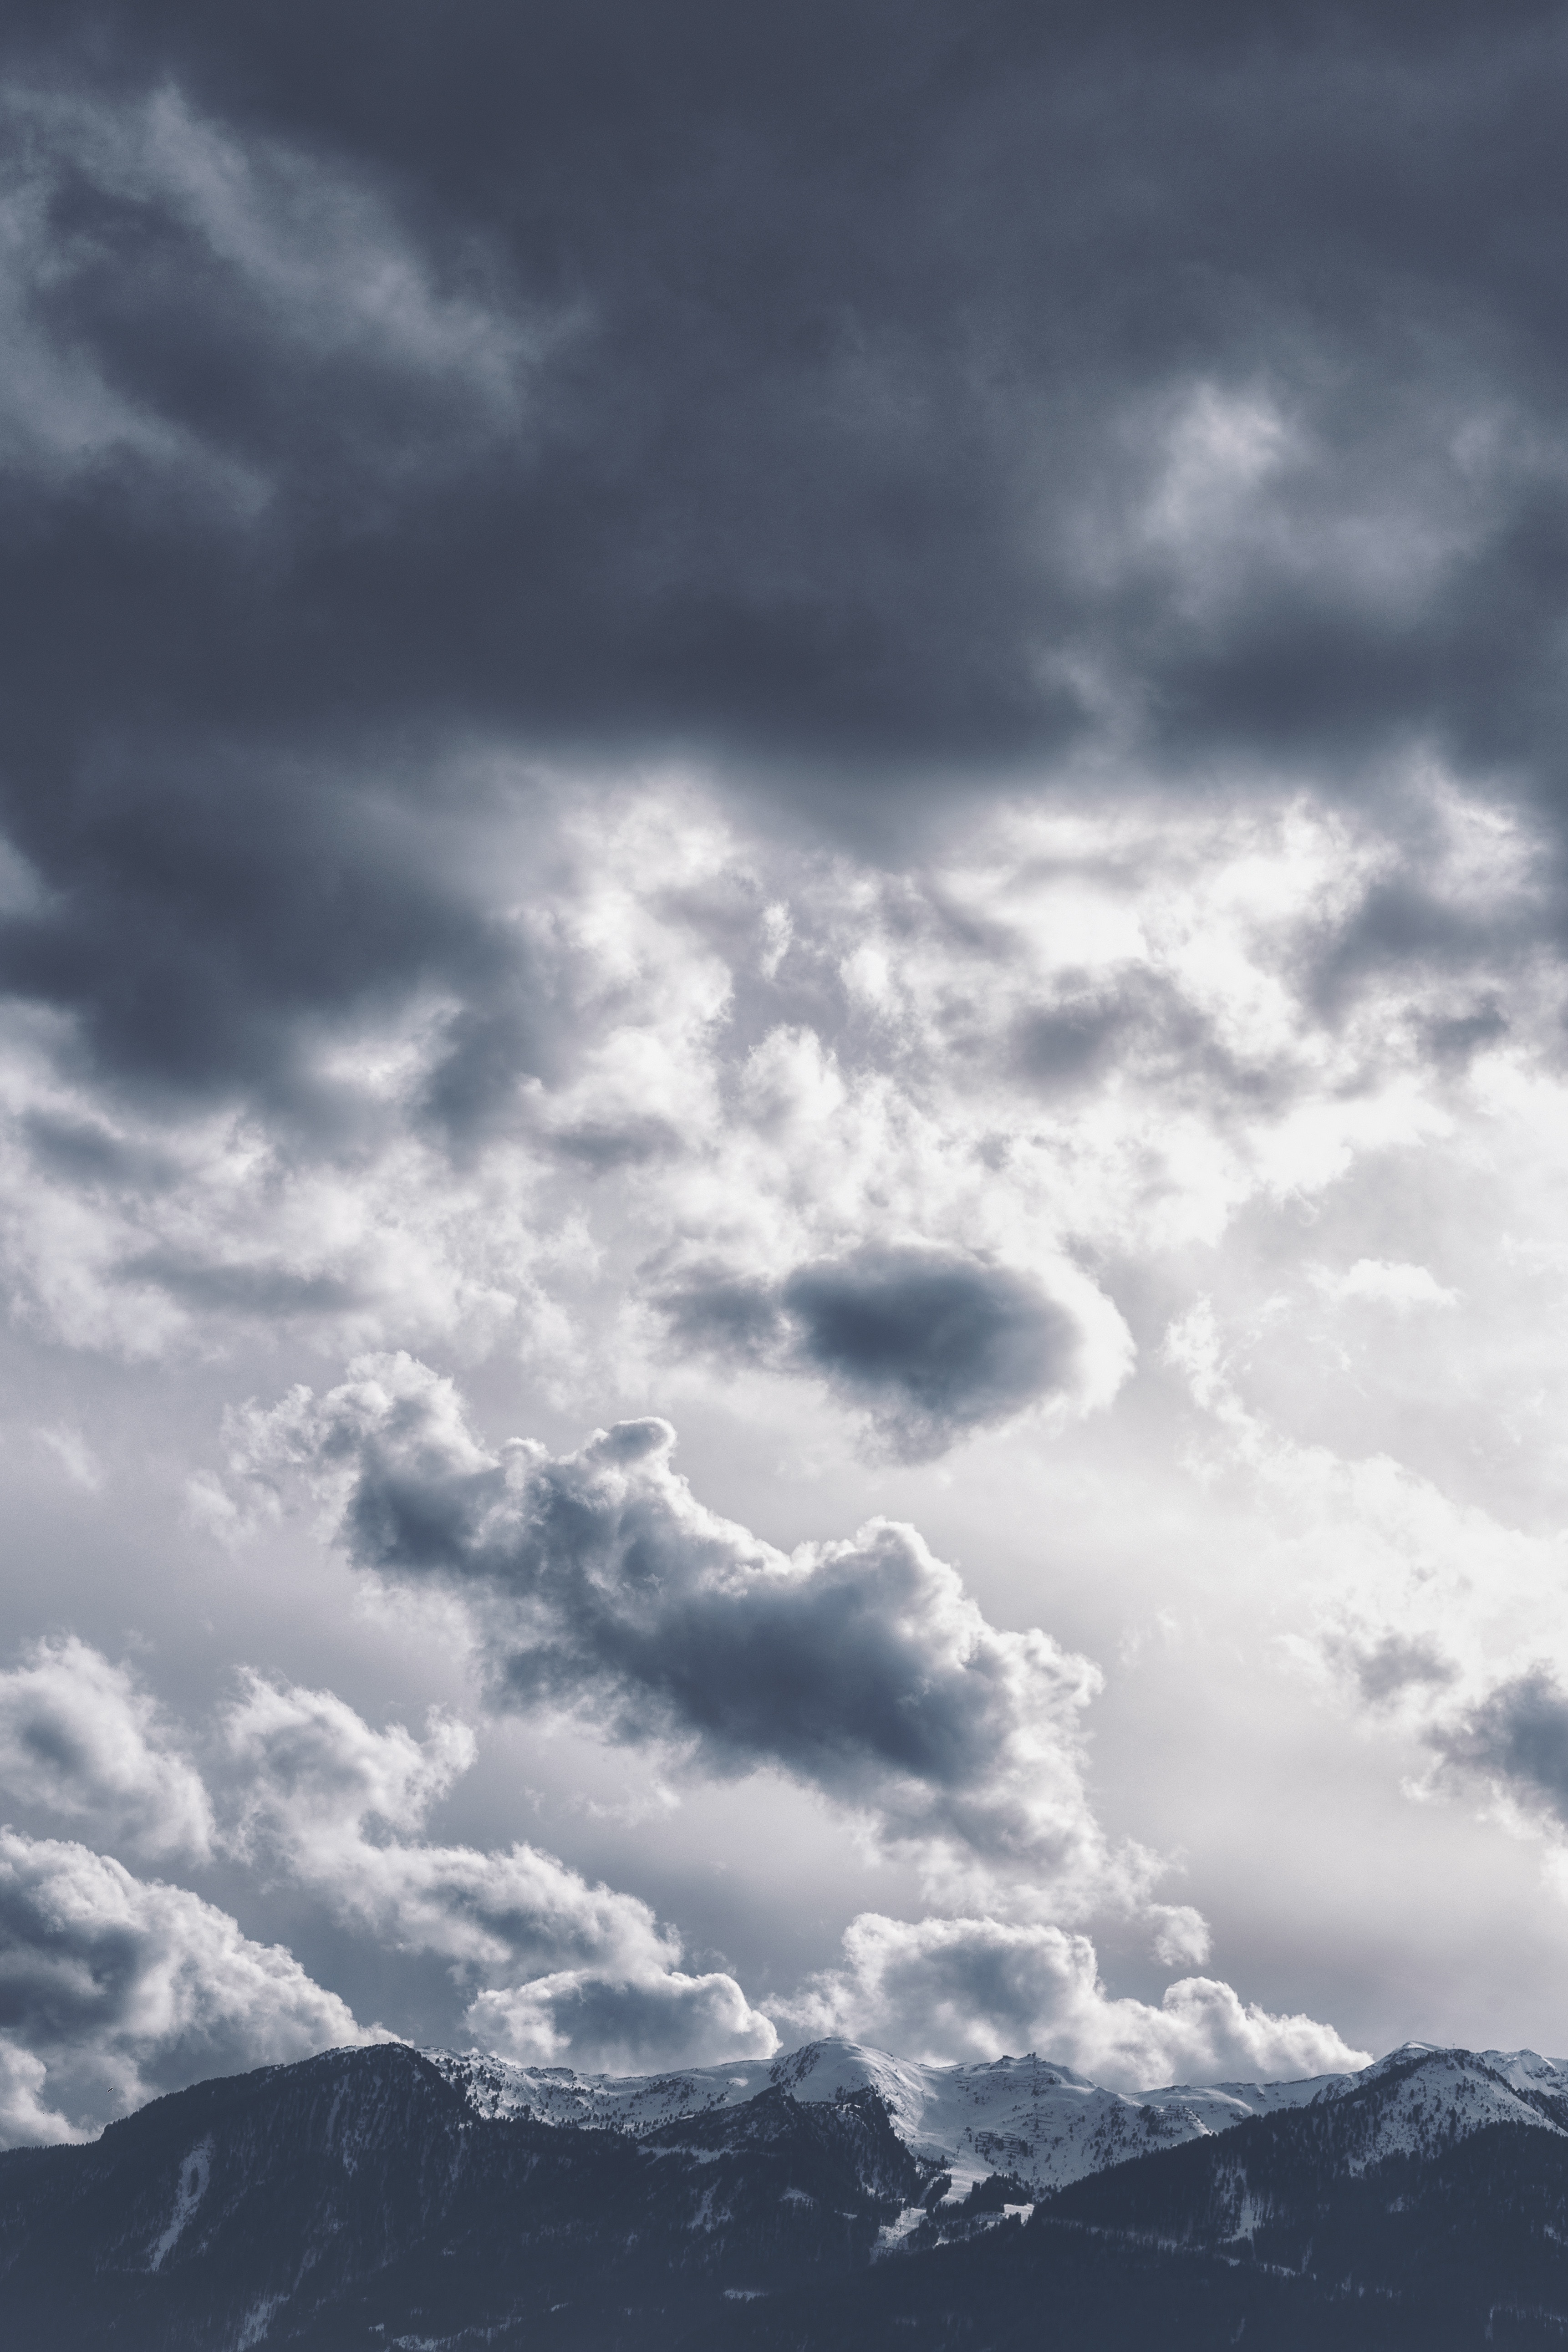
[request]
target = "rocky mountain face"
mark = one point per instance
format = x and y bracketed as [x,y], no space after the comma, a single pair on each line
[355,2198]
[835,2198]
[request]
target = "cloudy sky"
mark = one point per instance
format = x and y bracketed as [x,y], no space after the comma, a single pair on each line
[783,1087]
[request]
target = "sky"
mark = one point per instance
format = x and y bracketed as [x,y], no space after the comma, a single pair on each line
[784,1035]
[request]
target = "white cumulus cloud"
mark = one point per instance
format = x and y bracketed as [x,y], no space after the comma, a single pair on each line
[983,1988]
[1386,1282]
[117,1988]
[79,1739]
[556,1965]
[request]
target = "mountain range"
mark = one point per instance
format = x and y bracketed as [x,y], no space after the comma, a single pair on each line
[833,2197]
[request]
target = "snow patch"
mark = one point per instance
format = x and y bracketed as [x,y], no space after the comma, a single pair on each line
[195,2171]
[257,2321]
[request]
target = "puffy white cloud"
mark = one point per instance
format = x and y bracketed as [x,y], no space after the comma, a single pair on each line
[79,1738]
[816,1093]
[625,2024]
[1181,1933]
[572,1967]
[861,1666]
[315,1773]
[117,1988]
[1386,1282]
[983,1988]
[24,2120]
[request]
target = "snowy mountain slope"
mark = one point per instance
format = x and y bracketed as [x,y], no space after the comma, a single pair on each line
[1040,2124]
[1525,2069]
[1332,2186]
[498,2089]
[1419,2100]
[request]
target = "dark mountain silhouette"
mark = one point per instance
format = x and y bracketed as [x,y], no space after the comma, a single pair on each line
[355,2198]
[359,2200]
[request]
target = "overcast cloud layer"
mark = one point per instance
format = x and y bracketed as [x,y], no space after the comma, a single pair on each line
[781,1009]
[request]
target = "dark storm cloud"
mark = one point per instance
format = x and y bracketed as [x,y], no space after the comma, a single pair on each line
[953,1341]
[933,1343]
[1518,1740]
[206,914]
[601,1583]
[854,392]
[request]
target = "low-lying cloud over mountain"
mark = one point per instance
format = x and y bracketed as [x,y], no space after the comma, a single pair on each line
[577,1964]
[117,1987]
[968,1985]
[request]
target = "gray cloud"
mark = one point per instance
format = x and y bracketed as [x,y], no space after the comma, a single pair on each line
[113,1989]
[81,1740]
[932,1343]
[926,394]
[910,289]
[936,1343]
[1134,1021]
[862,1666]
[1385,1667]
[885,415]
[554,1965]
[268,1293]
[1517,1738]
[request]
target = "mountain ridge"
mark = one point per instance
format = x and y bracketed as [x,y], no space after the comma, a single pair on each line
[1036,2121]
[365,2196]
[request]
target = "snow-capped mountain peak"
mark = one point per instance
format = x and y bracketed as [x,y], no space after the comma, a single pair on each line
[1037,2122]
